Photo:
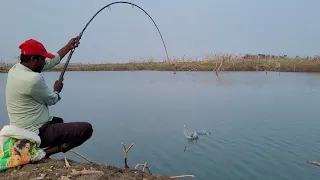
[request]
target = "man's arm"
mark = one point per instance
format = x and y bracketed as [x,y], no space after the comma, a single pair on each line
[73,43]
[43,94]
[64,50]
[50,63]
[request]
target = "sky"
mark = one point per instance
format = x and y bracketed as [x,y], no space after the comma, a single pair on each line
[193,29]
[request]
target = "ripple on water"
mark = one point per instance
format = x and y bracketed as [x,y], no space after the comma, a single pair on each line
[163,164]
[214,145]
[258,147]
[248,164]
[204,144]
[243,171]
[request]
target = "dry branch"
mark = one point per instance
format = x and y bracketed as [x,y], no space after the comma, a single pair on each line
[182,176]
[84,172]
[125,153]
[234,67]
[76,153]
[313,163]
[217,70]
[145,166]
[67,163]
[216,66]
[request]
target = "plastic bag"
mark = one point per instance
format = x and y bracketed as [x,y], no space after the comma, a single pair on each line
[17,152]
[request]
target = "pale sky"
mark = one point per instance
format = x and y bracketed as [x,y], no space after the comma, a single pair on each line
[191,28]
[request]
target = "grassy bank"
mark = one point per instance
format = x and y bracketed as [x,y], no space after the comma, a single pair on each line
[209,63]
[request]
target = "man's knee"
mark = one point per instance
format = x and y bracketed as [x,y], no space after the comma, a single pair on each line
[84,132]
[88,130]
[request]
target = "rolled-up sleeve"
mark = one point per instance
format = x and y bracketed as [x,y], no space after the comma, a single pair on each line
[43,94]
[50,63]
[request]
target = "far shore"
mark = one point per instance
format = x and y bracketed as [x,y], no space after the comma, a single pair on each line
[210,63]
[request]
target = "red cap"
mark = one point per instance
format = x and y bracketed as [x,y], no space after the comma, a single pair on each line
[34,47]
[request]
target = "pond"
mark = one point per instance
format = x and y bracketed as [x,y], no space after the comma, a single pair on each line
[262,126]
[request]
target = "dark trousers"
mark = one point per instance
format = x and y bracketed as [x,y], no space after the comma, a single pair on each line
[64,136]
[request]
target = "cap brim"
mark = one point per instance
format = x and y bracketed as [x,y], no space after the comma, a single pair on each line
[48,55]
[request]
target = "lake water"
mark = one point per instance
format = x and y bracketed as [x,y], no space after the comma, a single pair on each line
[262,126]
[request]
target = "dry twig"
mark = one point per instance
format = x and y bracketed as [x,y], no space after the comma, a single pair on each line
[145,166]
[125,152]
[182,176]
[218,70]
[84,172]
[313,163]
[216,66]
[76,153]
[38,178]
[67,163]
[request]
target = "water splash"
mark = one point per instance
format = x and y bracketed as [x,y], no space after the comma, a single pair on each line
[194,135]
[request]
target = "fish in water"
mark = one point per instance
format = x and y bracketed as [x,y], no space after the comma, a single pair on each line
[194,135]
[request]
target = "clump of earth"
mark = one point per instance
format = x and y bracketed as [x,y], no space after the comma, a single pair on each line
[58,170]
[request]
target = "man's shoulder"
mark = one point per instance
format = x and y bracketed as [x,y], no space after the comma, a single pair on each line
[18,74]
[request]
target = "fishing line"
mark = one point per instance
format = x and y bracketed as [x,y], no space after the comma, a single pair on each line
[117,2]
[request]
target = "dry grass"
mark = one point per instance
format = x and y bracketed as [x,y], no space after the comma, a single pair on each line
[224,62]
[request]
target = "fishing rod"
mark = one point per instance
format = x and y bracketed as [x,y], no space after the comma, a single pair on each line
[80,35]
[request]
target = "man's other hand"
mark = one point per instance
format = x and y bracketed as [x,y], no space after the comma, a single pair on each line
[58,85]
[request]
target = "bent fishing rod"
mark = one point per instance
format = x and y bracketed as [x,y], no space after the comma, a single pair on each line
[80,35]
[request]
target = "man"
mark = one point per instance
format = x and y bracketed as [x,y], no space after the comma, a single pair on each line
[28,98]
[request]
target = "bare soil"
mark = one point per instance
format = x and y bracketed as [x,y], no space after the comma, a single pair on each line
[57,170]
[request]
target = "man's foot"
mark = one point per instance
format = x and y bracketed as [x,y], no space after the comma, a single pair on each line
[50,151]
[47,157]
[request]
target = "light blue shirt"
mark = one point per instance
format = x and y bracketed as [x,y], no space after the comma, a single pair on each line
[28,96]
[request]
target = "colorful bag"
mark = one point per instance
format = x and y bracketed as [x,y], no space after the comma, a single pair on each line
[18,151]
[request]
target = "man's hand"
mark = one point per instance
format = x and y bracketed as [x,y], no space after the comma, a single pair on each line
[73,43]
[58,85]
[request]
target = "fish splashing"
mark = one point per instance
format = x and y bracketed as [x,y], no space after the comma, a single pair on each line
[194,135]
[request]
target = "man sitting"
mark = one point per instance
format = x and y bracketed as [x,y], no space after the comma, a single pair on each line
[28,98]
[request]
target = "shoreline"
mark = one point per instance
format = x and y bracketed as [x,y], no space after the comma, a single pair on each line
[66,169]
[209,64]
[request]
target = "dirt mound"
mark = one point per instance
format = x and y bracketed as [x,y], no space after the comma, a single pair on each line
[56,169]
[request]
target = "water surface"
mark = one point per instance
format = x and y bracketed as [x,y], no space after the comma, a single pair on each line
[262,126]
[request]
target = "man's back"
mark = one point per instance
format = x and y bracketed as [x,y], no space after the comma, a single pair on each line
[27,97]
